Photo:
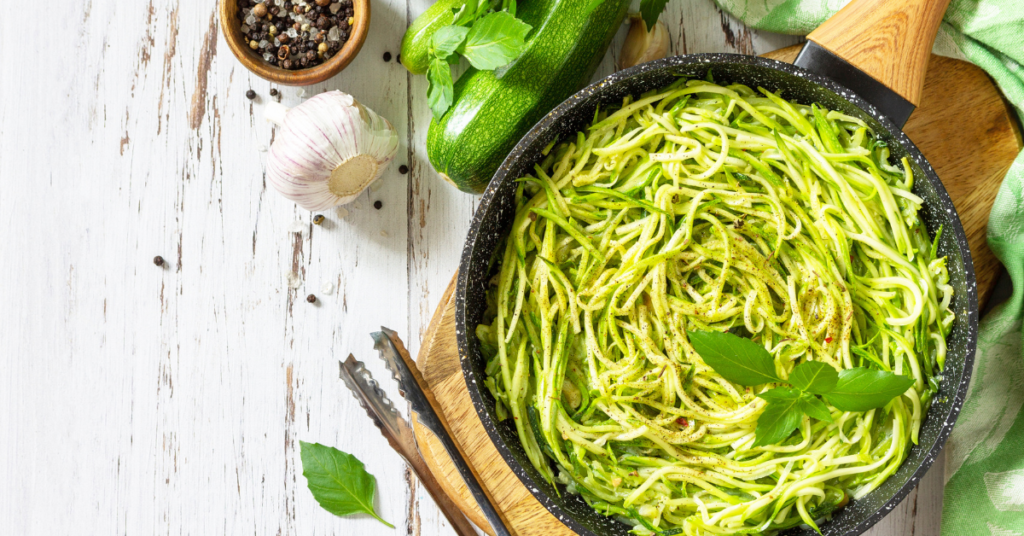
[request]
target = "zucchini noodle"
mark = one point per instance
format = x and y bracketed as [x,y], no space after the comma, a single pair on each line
[713,208]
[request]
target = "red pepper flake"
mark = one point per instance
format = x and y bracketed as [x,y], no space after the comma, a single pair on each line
[828,339]
[681,421]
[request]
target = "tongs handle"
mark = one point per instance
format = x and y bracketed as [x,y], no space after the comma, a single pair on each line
[451,511]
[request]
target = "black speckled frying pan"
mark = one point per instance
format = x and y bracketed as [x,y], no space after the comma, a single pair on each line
[868,61]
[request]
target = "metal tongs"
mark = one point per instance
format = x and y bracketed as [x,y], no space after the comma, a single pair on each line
[399,432]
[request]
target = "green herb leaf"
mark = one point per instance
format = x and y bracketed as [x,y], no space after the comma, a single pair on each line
[814,377]
[594,4]
[495,40]
[650,10]
[781,394]
[338,480]
[861,389]
[735,358]
[446,41]
[780,417]
[817,409]
[441,91]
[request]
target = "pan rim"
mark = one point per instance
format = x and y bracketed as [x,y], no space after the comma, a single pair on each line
[944,202]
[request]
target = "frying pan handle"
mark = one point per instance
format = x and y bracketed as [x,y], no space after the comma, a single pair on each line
[889,40]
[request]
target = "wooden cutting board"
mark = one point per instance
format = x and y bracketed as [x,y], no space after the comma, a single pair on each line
[965,129]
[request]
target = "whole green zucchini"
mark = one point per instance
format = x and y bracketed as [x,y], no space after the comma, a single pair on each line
[416,42]
[490,115]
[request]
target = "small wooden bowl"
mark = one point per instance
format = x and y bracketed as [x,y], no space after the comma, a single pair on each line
[299,77]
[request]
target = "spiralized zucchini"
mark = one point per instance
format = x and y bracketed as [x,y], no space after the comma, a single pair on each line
[703,207]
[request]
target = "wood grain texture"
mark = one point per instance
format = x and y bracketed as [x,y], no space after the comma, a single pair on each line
[142,400]
[891,40]
[969,145]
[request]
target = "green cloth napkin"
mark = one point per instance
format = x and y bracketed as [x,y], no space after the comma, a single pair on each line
[985,455]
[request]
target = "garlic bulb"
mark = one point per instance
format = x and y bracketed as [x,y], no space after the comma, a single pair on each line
[642,46]
[329,149]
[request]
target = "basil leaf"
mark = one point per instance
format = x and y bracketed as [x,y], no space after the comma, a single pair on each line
[338,481]
[781,394]
[814,377]
[777,422]
[650,10]
[495,40]
[441,91]
[861,389]
[735,358]
[446,41]
[815,408]
[594,4]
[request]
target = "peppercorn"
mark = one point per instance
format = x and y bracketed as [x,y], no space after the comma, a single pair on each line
[266,34]
[318,219]
[250,94]
[273,92]
[322,48]
[158,260]
[282,53]
[311,298]
[387,56]
[399,58]
[403,169]
[377,205]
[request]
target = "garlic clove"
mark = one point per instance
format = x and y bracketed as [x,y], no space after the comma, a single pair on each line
[328,150]
[642,46]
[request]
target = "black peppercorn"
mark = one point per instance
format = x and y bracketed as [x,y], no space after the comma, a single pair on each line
[318,219]
[250,94]
[399,57]
[387,56]
[158,260]
[286,65]
[377,205]
[311,298]
[273,92]
[403,169]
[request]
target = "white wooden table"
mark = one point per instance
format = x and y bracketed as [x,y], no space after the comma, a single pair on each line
[137,399]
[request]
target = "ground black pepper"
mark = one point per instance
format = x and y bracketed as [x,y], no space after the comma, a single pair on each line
[309,31]
[377,205]
[311,298]
[403,169]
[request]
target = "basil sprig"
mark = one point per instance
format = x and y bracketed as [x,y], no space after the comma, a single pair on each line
[747,363]
[338,480]
[489,39]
